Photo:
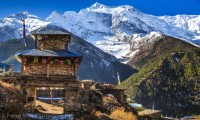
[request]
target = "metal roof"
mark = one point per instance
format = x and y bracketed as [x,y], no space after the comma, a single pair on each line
[149,112]
[50,29]
[47,53]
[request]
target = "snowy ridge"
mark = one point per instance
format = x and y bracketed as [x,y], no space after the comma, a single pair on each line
[188,22]
[11,27]
[117,30]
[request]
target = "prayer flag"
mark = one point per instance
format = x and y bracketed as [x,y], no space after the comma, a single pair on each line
[35,59]
[44,61]
[68,62]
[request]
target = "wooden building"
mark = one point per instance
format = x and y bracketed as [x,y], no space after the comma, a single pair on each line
[50,56]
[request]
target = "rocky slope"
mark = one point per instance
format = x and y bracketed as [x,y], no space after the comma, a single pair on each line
[168,77]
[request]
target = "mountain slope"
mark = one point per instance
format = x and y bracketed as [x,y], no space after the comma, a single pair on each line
[96,64]
[169,77]
[114,29]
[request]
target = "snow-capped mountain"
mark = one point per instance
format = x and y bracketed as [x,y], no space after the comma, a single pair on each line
[11,27]
[188,22]
[115,30]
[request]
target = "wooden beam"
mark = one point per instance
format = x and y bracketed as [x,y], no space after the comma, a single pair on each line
[22,67]
[48,70]
[36,40]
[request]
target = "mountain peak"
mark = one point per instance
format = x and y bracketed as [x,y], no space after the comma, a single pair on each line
[97,5]
[54,15]
[23,15]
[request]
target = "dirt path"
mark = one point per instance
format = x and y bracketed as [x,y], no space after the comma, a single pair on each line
[49,108]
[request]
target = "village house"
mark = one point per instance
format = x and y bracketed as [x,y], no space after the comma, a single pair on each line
[50,64]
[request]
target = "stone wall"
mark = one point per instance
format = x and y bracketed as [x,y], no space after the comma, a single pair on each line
[41,69]
[118,93]
[31,96]
[71,97]
[34,69]
[87,84]
[61,70]
[104,88]
[52,44]
[80,98]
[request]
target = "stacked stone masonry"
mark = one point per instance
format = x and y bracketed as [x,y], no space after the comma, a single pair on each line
[52,44]
[41,69]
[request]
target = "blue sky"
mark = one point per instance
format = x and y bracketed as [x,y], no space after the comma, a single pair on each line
[43,8]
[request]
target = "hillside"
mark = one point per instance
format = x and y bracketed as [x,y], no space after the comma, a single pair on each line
[10,47]
[169,75]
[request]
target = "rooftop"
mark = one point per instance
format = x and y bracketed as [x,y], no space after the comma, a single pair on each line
[47,53]
[149,112]
[50,29]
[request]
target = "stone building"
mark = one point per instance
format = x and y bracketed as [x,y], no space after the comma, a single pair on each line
[50,64]
[50,56]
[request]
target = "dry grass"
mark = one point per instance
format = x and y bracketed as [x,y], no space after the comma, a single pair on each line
[9,72]
[108,99]
[49,108]
[97,115]
[6,87]
[121,114]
